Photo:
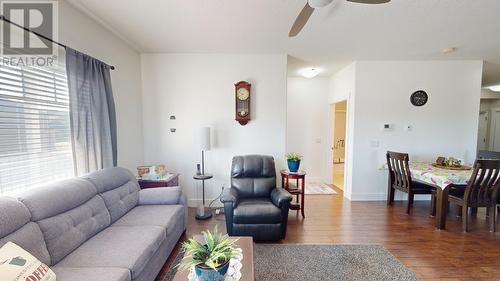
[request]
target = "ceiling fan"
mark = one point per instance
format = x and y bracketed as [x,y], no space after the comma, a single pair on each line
[308,9]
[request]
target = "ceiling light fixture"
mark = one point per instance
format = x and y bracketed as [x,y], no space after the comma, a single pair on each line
[495,88]
[319,3]
[449,50]
[309,72]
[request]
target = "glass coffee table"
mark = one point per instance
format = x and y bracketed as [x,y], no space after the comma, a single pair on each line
[246,244]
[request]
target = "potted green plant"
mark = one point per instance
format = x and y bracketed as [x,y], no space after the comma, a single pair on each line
[293,160]
[210,257]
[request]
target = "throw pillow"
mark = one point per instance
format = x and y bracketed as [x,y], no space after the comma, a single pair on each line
[18,265]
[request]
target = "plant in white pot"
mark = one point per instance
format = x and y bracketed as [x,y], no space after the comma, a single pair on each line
[210,257]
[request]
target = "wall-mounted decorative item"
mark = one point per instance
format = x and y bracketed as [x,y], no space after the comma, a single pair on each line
[172,117]
[419,98]
[242,102]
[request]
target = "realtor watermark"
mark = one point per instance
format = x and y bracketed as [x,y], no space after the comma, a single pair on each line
[24,48]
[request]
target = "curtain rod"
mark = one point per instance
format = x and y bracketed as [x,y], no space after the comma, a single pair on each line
[41,35]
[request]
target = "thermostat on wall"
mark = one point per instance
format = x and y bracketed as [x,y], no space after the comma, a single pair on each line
[388,127]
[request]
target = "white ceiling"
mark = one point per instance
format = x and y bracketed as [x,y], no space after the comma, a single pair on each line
[334,36]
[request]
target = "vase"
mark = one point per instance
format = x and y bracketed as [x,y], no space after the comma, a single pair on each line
[293,165]
[209,274]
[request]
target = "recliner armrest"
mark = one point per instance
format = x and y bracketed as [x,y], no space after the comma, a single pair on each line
[231,196]
[279,197]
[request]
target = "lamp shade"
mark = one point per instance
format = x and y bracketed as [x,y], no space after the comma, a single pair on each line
[204,138]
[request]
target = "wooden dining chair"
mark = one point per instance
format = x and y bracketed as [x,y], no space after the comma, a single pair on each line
[488,154]
[480,191]
[400,179]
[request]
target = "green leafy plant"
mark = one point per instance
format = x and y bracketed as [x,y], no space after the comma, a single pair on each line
[213,251]
[293,156]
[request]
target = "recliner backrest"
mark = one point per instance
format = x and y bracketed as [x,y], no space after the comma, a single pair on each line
[253,176]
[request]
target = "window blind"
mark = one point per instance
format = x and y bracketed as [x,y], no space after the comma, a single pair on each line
[35,146]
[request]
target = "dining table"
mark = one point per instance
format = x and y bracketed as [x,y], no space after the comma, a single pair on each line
[442,179]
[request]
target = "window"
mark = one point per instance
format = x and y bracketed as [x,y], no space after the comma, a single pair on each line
[35,141]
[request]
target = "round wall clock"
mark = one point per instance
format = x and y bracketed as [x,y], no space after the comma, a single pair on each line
[419,98]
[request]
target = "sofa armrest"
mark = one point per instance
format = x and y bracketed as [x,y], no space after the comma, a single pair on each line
[280,197]
[231,196]
[161,196]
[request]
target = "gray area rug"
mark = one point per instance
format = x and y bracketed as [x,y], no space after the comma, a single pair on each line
[274,262]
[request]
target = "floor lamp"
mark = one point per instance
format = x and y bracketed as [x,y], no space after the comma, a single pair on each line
[204,138]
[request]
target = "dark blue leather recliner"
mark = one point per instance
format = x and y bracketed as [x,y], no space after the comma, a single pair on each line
[253,206]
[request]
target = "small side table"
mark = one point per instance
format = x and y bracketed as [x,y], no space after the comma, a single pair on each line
[170,181]
[201,213]
[286,176]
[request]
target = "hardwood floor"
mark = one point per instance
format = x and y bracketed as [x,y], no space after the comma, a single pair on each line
[432,254]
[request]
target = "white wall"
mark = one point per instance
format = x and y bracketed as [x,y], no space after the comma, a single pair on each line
[199,90]
[446,126]
[307,125]
[85,35]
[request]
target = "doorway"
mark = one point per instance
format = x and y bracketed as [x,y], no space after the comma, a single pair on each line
[338,112]
[495,129]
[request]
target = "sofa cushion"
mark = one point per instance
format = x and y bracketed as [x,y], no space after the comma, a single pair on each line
[91,273]
[15,226]
[30,238]
[13,215]
[67,231]
[118,246]
[119,189]
[56,198]
[256,210]
[159,215]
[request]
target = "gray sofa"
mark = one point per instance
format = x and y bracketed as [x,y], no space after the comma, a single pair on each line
[98,227]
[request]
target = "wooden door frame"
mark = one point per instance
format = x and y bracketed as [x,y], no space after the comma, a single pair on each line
[332,138]
[488,125]
[493,127]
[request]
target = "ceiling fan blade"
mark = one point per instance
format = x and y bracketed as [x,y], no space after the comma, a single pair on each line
[301,20]
[370,1]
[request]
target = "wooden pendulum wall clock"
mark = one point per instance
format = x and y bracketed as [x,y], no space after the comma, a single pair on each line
[242,96]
